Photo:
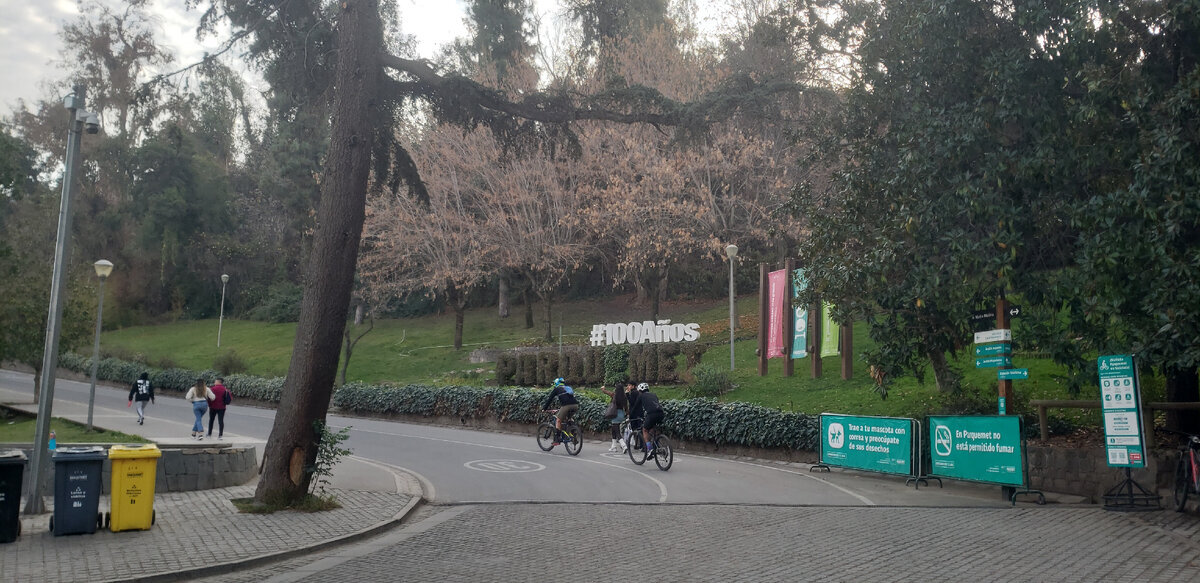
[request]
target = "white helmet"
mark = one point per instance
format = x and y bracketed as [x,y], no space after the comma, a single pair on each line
[643,387]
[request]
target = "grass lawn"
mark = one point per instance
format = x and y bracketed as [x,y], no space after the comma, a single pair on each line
[419,350]
[20,428]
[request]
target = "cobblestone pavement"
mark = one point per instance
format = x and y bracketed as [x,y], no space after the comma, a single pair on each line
[578,542]
[192,530]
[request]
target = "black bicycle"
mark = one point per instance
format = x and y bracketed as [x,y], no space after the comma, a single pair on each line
[571,436]
[635,446]
[1187,471]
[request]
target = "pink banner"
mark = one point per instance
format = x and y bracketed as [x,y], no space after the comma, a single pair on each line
[776,284]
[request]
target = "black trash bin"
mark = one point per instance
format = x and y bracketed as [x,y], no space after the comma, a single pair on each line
[12,469]
[77,486]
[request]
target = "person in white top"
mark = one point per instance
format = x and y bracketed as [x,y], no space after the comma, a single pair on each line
[199,395]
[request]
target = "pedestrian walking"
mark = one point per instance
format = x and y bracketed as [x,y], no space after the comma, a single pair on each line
[615,413]
[199,395]
[216,407]
[141,392]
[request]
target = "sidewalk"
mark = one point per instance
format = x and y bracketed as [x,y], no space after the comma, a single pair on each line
[201,533]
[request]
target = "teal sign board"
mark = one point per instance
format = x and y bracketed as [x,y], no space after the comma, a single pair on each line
[993,361]
[977,448]
[1008,374]
[1120,395]
[993,349]
[877,444]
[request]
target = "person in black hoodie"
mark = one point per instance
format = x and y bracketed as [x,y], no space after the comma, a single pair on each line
[141,392]
[652,411]
[567,404]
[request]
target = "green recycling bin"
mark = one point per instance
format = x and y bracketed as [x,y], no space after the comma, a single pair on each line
[12,469]
[77,486]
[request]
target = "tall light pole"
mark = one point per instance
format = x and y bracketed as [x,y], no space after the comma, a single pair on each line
[79,120]
[221,319]
[731,251]
[103,268]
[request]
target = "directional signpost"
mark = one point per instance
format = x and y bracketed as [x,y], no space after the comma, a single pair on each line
[993,361]
[1008,374]
[1003,349]
[1001,335]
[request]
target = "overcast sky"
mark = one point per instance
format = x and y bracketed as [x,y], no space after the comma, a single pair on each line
[29,36]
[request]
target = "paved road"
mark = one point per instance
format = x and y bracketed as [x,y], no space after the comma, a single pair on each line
[707,519]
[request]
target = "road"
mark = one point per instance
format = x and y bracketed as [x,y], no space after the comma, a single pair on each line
[502,510]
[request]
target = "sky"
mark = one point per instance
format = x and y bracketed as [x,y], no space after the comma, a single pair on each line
[29,36]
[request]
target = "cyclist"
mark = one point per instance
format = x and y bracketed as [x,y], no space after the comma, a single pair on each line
[636,414]
[648,403]
[567,404]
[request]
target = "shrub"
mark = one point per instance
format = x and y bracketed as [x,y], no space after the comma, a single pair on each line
[710,382]
[616,364]
[229,362]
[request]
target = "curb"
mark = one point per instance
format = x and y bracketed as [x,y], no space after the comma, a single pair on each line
[233,566]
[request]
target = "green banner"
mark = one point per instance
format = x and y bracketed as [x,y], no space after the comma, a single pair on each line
[877,444]
[979,448]
[830,332]
[800,315]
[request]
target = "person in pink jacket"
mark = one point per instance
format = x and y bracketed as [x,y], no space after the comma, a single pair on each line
[216,407]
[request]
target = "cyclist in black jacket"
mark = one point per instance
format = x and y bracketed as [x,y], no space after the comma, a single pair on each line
[567,404]
[652,411]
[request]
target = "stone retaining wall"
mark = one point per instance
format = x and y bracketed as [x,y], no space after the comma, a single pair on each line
[178,470]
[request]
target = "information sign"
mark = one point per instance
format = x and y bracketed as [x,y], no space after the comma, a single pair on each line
[993,361]
[1008,374]
[999,335]
[1120,395]
[877,444]
[993,349]
[977,448]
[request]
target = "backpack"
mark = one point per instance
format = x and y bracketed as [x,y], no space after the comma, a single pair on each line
[227,398]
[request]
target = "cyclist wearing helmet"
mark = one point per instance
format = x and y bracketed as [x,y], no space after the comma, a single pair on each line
[567,404]
[648,403]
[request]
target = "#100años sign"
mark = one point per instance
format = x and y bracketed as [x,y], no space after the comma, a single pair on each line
[647,331]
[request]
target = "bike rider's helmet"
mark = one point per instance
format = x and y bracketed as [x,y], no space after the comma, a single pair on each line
[643,387]
[558,382]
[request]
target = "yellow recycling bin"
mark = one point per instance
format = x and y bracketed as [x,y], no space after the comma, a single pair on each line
[134,468]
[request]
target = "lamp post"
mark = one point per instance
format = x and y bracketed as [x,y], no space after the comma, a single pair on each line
[731,251]
[103,268]
[221,319]
[80,121]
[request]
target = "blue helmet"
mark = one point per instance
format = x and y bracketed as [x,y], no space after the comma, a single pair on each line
[558,382]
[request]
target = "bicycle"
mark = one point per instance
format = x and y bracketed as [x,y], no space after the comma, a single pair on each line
[635,446]
[1187,471]
[571,436]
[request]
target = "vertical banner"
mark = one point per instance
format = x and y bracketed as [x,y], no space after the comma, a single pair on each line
[776,283]
[830,332]
[1122,400]
[800,317]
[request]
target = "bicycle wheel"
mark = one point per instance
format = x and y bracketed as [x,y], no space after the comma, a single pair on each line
[545,436]
[664,456]
[1183,480]
[636,455]
[575,443]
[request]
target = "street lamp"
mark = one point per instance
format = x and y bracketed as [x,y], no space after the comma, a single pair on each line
[103,268]
[81,120]
[221,319]
[731,251]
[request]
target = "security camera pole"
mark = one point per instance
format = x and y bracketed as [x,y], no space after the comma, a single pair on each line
[74,104]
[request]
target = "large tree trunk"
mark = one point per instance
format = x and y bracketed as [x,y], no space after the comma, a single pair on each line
[458,302]
[1183,386]
[292,447]
[549,317]
[502,300]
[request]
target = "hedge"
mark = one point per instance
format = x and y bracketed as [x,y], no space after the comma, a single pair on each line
[703,420]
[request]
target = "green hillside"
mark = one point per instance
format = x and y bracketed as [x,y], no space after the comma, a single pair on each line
[419,350]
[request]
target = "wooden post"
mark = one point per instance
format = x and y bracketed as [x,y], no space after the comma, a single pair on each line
[789,322]
[847,348]
[1002,323]
[764,315]
[814,333]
